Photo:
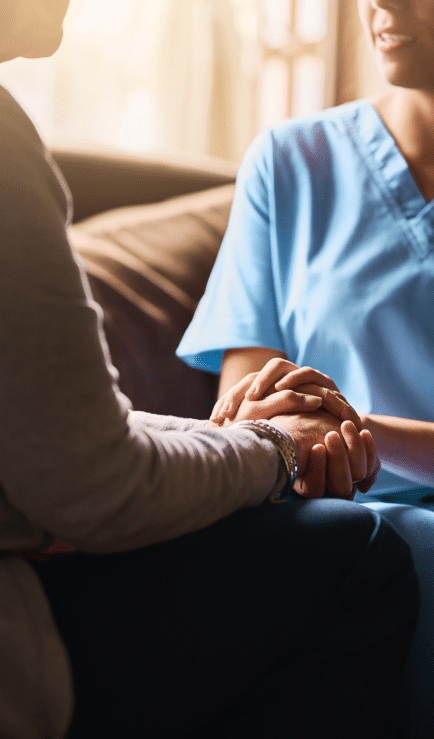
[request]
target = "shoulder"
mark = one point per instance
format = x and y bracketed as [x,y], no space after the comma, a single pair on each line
[19,140]
[26,167]
[303,144]
[311,133]
[13,118]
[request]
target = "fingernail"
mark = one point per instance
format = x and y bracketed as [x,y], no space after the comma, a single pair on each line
[251,392]
[332,436]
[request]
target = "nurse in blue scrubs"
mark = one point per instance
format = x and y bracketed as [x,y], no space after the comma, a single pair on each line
[328,262]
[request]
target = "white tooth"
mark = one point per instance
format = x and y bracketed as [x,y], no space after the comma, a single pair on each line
[395,37]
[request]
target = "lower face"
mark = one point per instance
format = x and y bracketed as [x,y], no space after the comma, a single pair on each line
[401,36]
[31,28]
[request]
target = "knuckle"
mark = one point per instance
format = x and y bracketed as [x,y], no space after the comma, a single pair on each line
[331,400]
[275,363]
[250,376]
[288,396]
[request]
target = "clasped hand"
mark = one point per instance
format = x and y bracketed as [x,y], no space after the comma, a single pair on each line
[335,455]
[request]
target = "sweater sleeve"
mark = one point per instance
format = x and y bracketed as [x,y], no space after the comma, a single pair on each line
[148,421]
[74,459]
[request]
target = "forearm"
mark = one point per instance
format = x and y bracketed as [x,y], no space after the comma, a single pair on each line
[238,363]
[75,461]
[149,421]
[405,446]
[81,466]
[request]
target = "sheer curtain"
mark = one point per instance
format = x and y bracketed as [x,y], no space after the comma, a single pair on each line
[206,76]
[148,75]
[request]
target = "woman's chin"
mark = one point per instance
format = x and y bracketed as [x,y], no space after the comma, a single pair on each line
[44,47]
[34,49]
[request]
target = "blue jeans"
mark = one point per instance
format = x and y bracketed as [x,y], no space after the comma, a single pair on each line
[281,621]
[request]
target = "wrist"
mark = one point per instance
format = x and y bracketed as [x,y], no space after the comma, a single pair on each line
[290,426]
[364,417]
[284,444]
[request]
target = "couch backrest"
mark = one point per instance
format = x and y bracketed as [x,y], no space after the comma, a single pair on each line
[148,267]
[103,180]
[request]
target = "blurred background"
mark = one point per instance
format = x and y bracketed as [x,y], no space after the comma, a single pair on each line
[195,77]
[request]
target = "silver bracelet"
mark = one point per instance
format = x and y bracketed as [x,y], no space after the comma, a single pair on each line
[283,443]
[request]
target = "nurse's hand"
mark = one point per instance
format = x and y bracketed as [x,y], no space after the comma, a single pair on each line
[351,457]
[282,387]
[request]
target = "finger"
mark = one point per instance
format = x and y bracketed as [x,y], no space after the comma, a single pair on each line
[269,375]
[288,401]
[304,375]
[333,402]
[312,484]
[373,462]
[339,480]
[336,404]
[229,403]
[277,404]
[371,451]
[364,485]
[356,451]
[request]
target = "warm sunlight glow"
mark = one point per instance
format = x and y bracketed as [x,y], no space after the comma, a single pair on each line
[311,20]
[276,22]
[192,76]
[308,85]
[275,89]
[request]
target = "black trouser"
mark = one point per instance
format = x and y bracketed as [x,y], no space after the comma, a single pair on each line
[289,620]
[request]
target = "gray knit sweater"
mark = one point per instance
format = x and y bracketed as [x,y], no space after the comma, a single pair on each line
[75,461]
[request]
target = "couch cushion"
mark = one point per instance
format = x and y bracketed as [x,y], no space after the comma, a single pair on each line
[148,266]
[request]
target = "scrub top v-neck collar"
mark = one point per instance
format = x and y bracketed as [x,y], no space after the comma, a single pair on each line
[391,172]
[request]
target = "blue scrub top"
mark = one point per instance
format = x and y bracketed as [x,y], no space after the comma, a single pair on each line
[329,257]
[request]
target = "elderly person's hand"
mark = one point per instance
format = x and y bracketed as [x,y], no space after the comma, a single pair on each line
[351,457]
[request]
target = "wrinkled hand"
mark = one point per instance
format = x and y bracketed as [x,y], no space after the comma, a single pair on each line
[282,387]
[334,458]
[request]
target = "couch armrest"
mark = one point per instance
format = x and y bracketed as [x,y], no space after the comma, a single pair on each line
[100,181]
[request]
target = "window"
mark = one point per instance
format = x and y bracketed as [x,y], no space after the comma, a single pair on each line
[194,76]
[299,57]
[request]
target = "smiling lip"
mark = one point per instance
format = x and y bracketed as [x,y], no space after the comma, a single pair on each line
[391,41]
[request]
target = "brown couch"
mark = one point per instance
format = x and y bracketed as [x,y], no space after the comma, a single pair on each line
[148,231]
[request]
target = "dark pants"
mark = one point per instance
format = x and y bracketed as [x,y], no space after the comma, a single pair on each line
[284,621]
